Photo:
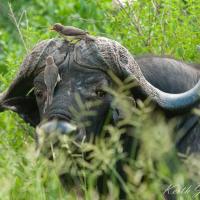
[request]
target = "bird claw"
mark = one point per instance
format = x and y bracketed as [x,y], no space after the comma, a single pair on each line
[58,78]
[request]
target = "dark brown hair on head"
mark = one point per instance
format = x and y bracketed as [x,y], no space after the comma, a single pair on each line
[57,27]
[49,60]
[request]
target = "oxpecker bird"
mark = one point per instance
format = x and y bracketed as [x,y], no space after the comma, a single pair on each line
[70,32]
[51,78]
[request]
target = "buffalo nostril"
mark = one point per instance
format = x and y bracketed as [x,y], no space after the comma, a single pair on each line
[49,132]
[55,126]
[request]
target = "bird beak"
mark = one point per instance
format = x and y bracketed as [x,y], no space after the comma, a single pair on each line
[51,28]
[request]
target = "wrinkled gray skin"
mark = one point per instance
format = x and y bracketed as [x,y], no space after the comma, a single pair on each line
[83,70]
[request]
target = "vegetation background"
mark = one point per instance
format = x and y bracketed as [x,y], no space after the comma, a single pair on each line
[145,27]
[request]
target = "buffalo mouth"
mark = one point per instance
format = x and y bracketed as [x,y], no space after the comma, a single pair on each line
[57,126]
[51,133]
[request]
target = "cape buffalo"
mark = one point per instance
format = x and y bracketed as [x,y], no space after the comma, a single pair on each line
[57,77]
[83,69]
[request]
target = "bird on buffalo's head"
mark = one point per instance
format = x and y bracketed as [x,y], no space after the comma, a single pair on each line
[51,78]
[71,32]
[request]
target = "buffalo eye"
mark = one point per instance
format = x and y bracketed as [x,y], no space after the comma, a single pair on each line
[100,93]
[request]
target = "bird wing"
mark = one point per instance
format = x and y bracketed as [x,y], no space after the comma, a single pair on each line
[51,75]
[73,31]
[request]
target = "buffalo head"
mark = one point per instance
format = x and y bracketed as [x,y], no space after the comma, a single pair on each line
[77,76]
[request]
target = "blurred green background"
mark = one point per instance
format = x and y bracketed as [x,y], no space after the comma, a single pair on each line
[158,27]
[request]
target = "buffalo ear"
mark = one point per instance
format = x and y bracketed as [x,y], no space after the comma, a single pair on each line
[21,99]
[26,107]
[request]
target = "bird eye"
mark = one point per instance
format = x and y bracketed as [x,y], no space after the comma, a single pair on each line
[39,94]
[100,93]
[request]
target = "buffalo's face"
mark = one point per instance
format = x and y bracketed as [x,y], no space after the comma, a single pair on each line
[80,103]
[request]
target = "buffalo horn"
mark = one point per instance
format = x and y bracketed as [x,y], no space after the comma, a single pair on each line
[120,60]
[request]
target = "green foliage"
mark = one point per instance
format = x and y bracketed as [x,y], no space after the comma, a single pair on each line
[156,27]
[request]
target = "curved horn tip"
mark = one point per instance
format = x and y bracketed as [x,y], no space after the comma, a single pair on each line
[1,96]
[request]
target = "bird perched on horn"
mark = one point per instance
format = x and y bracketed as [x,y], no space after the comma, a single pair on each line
[71,33]
[51,78]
